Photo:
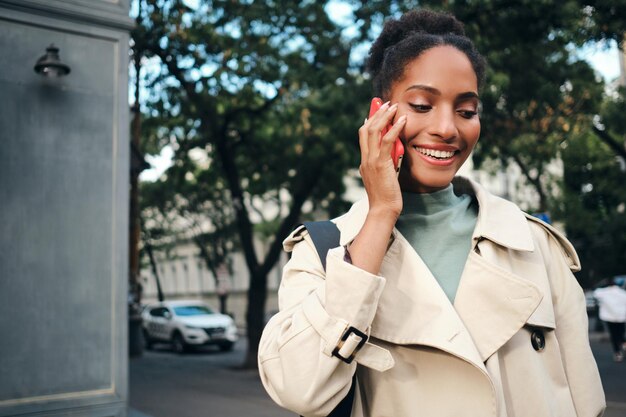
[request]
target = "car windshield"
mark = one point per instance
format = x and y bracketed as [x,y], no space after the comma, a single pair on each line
[192,310]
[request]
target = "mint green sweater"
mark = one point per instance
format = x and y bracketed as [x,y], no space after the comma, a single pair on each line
[439,226]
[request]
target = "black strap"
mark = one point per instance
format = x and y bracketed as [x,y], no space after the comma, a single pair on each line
[325,236]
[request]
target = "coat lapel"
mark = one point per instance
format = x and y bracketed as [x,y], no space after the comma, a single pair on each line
[413,309]
[493,303]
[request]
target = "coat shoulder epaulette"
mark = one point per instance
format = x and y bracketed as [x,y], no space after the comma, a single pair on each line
[559,238]
[297,235]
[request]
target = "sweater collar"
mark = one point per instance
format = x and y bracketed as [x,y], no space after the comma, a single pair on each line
[429,203]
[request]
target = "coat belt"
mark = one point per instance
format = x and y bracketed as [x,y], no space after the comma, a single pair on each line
[331,329]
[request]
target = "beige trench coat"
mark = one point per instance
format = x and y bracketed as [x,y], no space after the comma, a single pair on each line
[514,344]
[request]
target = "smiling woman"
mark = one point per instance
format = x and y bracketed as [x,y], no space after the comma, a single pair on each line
[442,299]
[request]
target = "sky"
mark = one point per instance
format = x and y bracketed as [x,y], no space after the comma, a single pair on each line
[603,58]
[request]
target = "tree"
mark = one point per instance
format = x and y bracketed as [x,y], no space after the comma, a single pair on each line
[264,93]
[592,206]
[594,199]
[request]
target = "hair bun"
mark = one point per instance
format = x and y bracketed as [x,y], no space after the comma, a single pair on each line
[415,21]
[434,23]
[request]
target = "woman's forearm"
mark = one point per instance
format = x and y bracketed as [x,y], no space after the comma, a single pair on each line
[368,248]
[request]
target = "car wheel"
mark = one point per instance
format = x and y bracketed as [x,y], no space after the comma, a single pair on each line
[178,343]
[226,346]
[147,341]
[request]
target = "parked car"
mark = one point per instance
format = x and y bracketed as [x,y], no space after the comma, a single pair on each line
[187,323]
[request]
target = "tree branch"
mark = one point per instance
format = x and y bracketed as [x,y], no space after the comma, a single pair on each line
[535,181]
[246,233]
[612,143]
[309,181]
[257,210]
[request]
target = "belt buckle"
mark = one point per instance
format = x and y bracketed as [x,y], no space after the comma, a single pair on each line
[350,330]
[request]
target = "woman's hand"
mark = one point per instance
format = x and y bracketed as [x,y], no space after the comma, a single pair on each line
[377,170]
[383,191]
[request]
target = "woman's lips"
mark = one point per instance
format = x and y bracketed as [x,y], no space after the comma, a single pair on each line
[439,157]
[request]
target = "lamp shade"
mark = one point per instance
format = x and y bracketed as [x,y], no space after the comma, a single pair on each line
[50,64]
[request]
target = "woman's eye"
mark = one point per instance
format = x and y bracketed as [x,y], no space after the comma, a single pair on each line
[421,108]
[468,114]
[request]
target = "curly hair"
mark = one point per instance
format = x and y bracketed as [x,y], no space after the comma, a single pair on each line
[403,40]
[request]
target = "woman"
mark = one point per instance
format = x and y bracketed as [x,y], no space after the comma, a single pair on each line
[469,306]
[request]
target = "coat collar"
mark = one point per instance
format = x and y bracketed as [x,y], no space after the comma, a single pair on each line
[499,220]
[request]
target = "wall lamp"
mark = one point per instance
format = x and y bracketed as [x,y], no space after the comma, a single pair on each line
[50,65]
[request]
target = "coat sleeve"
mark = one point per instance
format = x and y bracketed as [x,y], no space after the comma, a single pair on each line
[572,327]
[296,364]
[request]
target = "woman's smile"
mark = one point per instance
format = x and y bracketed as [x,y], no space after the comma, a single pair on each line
[436,154]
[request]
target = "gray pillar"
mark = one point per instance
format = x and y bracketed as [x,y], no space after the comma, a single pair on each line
[64,167]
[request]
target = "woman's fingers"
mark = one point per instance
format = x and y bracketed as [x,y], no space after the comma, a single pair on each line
[363,140]
[372,143]
[391,135]
[376,124]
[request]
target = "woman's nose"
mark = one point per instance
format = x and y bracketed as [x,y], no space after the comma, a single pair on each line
[444,125]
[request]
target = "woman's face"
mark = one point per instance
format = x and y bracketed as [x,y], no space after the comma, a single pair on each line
[439,95]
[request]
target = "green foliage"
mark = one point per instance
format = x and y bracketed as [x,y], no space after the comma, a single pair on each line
[592,206]
[612,116]
[593,200]
[270,82]
[269,85]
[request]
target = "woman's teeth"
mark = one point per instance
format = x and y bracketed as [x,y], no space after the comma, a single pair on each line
[435,154]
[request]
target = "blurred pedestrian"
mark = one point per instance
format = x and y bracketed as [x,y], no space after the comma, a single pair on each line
[612,305]
[439,299]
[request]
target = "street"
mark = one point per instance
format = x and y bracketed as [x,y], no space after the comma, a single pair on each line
[613,376]
[209,383]
[202,383]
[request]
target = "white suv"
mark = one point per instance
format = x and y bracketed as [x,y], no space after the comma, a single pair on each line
[187,323]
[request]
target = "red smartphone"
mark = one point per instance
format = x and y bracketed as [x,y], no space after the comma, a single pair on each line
[397,150]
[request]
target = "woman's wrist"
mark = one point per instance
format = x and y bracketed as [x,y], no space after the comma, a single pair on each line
[368,248]
[384,216]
